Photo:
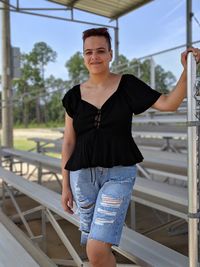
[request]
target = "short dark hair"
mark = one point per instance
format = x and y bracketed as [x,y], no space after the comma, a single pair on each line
[98,32]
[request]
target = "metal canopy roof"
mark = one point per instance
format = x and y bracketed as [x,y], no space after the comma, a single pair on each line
[112,9]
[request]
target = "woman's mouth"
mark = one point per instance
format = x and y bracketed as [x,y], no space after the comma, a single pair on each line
[95,63]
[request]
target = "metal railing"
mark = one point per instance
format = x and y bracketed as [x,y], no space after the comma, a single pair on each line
[167,60]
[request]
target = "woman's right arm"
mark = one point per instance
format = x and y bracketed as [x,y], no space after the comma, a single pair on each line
[69,141]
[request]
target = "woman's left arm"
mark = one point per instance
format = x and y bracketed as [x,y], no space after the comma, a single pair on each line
[172,101]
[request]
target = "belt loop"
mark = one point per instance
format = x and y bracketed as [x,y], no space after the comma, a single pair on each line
[91,172]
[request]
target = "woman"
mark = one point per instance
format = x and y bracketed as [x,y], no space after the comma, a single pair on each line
[99,155]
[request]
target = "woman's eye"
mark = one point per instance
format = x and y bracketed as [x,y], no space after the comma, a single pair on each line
[88,53]
[101,51]
[98,52]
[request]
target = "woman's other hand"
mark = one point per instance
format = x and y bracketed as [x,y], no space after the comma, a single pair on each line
[67,200]
[195,52]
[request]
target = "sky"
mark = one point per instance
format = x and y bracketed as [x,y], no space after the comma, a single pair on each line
[154,27]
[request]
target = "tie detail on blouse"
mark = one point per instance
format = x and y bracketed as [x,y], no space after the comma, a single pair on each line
[97,119]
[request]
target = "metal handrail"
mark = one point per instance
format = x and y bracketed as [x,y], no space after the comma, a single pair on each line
[192,163]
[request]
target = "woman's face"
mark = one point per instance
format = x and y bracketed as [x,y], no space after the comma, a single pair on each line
[96,54]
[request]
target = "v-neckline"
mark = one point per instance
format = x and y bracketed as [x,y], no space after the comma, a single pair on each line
[107,100]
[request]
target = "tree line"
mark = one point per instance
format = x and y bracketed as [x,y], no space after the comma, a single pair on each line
[37,99]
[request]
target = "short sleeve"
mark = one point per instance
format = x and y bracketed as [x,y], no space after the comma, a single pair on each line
[69,102]
[140,95]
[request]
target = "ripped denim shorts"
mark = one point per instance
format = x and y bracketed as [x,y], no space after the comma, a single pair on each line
[102,196]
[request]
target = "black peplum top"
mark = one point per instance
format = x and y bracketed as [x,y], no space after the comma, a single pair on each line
[103,136]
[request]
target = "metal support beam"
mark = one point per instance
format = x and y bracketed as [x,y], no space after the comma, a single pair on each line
[133,215]
[116,29]
[189,23]
[64,239]
[19,211]
[7,106]
[143,170]
[44,231]
[152,73]
[60,18]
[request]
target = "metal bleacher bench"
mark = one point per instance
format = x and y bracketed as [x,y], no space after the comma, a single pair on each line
[163,137]
[162,196]
[42,144]
[37,159]
[164,158]
[133,245]
[155,140]
[156,117]
[18,250]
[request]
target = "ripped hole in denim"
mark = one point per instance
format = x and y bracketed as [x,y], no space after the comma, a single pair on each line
[108,208]
[107,212]
[102,221]
[108,201]
[87,207]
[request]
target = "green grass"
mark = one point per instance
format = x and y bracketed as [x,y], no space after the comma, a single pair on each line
[55,155]
[23,144]
[41,125]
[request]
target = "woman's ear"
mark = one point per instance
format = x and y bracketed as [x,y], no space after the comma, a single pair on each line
[111,55]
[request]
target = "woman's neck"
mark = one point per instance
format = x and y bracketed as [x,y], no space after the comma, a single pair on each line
[99,79]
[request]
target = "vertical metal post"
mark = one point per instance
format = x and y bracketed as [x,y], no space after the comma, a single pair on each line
[133,214]
[44,232]
[198,145]
[116,42]
[3,197]
[192,163]
[152,73]
[39,174]
[189,23]
[139,71]
[7,114]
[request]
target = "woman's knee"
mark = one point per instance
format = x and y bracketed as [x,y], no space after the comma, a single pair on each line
[97,251]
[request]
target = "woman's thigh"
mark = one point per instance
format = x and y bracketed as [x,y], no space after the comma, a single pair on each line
[112,204]
[83,189]
[85,194]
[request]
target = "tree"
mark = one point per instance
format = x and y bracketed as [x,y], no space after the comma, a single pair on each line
[31,85]
[55,94]
[25,89]
[40,56]
[123,64]
[164,81]
[76,68]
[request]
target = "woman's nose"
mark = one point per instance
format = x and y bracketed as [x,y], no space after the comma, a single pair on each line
[94,55]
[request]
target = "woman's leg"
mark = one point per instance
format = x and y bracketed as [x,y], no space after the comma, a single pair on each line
[109,215]
[100,254]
